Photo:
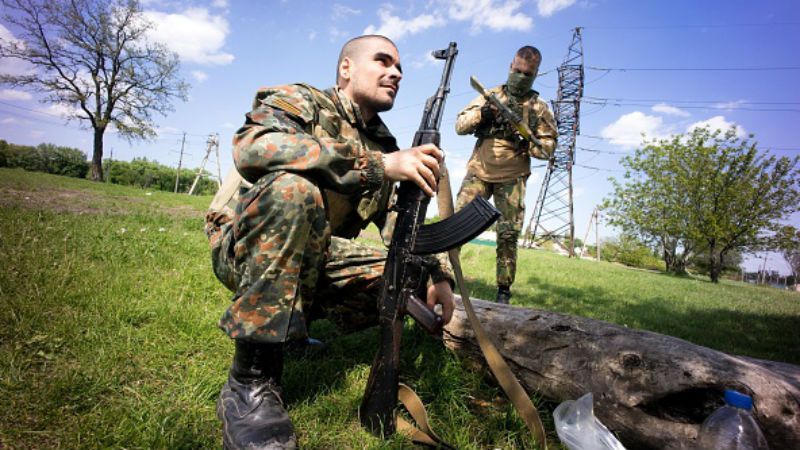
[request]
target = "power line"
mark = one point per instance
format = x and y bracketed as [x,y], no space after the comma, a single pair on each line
[762,147]
[597,150]
[692,69]
[664,100]
[713,108]
[683,26]
[599,168]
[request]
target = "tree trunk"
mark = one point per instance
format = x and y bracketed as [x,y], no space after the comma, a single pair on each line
[714,263]
[97,155]
[652,390]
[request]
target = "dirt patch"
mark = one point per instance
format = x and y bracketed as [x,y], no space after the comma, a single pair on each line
[83,202]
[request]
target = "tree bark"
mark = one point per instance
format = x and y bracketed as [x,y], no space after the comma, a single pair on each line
[97,155]
[652,390]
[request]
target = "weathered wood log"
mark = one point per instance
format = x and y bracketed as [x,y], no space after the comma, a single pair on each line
[652,390]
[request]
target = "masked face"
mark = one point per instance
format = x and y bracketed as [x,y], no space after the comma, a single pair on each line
[521,76]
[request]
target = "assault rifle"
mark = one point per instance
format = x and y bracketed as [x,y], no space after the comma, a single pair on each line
[408,266]
[513,118]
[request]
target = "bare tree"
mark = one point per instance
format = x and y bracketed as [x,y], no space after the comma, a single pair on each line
[94,57]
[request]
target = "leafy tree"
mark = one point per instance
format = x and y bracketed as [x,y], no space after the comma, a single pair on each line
[628,249]
[707,191]
[93,56]
[649,204]
[787,241]
[701,262]
[48,158]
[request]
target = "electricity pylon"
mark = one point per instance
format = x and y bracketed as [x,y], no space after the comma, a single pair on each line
[553,217]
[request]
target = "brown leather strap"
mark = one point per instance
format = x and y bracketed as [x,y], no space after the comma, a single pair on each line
[519,398]
[422,433]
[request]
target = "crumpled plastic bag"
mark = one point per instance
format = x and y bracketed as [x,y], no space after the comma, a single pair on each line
[579,429]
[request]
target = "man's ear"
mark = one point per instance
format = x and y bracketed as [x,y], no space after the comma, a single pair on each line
[345,68]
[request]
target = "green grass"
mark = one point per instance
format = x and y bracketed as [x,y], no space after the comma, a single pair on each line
[108,336]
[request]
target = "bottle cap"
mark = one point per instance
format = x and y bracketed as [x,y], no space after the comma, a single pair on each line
[738,400]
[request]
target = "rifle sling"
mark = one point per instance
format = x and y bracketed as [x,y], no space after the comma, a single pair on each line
[511,386]
[424,434]
[519,398]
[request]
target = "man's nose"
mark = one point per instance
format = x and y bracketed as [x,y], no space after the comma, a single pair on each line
[394,72]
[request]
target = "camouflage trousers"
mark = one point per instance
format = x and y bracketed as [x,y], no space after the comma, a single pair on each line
[277,254]
[509,199]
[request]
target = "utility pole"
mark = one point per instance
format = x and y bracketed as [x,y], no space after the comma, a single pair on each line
[219,170]
[211,142]
[553,217]
[597,231]
[180,163]
[763,273]
[593,217]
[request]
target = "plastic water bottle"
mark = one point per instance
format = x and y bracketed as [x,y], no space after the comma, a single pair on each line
[732,426]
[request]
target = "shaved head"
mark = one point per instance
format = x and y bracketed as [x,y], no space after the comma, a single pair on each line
[530,54]
[356,46]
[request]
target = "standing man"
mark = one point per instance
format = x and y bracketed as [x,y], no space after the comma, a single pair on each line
[322,166]
[501,161]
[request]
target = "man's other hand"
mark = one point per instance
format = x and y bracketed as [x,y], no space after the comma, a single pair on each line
[441,294]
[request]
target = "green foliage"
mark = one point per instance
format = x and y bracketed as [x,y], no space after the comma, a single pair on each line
[629,250]
[707,192]
[95,58]
[48,158]
[701,263]
[108,336]
[151,175]
[787,241]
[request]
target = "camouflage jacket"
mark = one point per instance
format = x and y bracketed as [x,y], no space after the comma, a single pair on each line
[496,157]
[321,135]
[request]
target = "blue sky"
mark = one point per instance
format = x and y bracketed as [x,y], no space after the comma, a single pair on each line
[230,48]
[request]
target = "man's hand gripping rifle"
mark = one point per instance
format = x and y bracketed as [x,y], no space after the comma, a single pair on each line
[507,114]
[408,266]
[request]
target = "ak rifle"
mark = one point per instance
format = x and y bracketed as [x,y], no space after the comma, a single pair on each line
[409,264]
[506,113]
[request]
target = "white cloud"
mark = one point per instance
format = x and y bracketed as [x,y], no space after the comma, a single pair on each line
[425,59]
[13,94]
[312,35]
[199,75]
[663,108]
[492,14]
[62,110]
[395,28]
[628,129]
[549,7]
[718,123]
[13,66]
[222,4]
[336,34]
[196,35]
[730,106]
[8,121]
[340,11]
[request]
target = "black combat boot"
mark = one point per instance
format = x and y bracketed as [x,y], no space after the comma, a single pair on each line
[503,294]
[250,405]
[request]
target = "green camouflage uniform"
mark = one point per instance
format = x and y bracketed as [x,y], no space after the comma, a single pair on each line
[499,168]
[316,170]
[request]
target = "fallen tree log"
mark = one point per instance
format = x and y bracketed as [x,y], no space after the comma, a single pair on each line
[652,390]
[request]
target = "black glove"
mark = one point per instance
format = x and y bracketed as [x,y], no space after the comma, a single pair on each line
[487,115]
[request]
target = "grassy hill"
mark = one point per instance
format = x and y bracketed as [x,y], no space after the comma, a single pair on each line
[108,337]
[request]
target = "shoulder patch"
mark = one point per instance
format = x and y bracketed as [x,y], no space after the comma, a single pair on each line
[288,107]
[294,100]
